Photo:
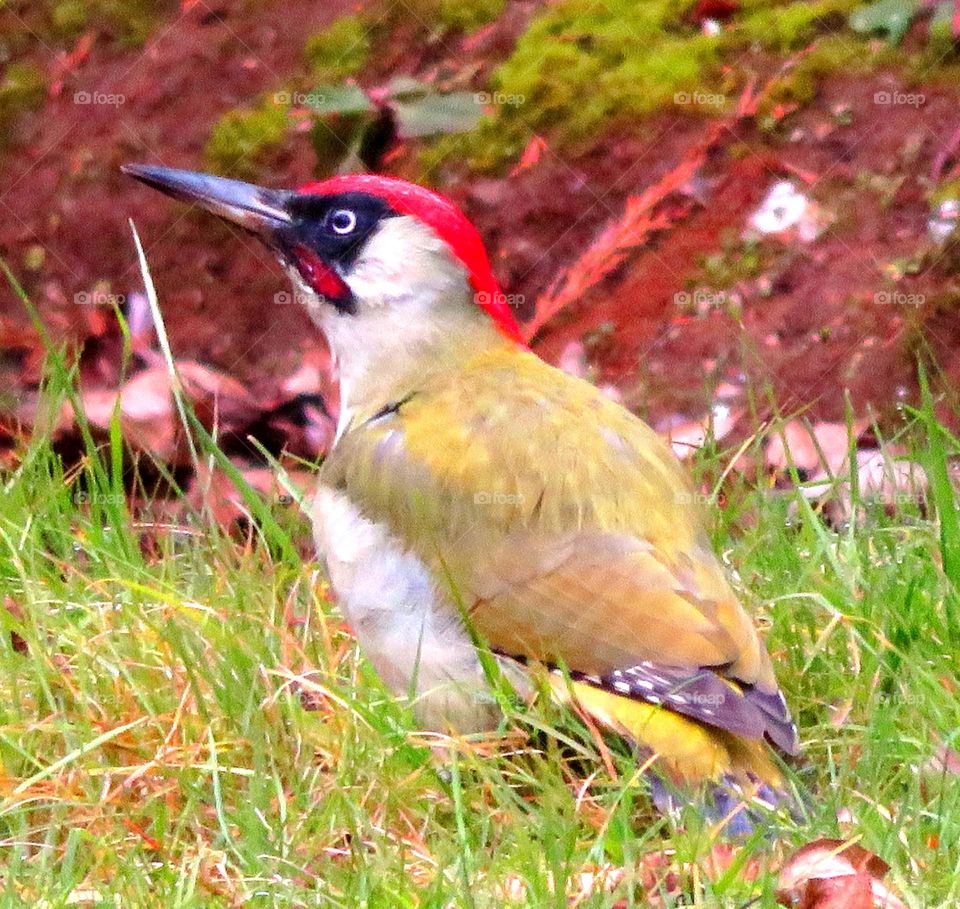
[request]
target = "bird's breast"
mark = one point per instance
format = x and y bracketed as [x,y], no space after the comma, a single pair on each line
[406,627]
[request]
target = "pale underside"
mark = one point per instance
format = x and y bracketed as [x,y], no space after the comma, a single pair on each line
[414,637]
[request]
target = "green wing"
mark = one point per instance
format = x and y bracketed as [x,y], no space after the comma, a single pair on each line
[560,522]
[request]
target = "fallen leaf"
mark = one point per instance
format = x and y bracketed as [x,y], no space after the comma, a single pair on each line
[945,760]
[16,612]
[849,892]
[217,492]
[686,436]
[891,17]
[835,874]
[148,414]
[881,479]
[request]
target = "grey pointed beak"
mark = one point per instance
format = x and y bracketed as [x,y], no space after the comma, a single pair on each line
[255,208]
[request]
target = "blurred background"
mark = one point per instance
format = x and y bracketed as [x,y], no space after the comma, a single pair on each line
[719,210]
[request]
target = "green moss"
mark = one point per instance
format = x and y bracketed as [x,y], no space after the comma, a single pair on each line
[467,16]
[773,25]
[70,16]
[130,22]
[340,50]
[847,54]
[737,260]
[21,89]
[941,44]
[884,186]
[580,67]
[947,190]
[242,141]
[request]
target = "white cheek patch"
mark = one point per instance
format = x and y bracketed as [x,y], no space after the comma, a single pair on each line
[402,260]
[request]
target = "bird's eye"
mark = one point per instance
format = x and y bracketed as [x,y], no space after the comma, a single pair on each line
[343,221]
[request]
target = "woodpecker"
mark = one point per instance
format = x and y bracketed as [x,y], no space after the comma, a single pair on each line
[475,495]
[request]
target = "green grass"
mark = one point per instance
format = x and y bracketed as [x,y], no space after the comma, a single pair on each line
[155,749]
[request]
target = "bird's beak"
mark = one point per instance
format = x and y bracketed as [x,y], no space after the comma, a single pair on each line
[262,211]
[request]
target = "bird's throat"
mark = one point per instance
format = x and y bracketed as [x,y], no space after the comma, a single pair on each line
[387,355]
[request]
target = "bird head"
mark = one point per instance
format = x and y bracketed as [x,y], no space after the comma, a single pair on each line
[394,274]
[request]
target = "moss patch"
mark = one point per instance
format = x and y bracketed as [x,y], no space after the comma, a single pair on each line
[467,16]
[738,260]
[581,67]
[779,27]
[242,141]
[130,22]
[341,50]
[21,89]
[846,54]
[945,191]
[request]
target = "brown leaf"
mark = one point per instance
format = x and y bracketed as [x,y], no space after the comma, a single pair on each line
[824,446]
[215,490]
[835,874]
[852,891]
[688,436]
[148,415]
[16,611]
[945,760]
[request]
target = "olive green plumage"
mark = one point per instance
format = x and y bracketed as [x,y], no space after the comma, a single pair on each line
[563,525]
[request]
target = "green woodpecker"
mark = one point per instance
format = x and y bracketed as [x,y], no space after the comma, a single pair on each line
[475,492]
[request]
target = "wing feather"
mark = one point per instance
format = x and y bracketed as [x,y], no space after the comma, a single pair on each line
[562,524]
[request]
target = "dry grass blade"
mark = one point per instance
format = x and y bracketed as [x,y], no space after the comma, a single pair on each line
[175,382]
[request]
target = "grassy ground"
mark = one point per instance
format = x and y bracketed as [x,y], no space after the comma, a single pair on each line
[156,749]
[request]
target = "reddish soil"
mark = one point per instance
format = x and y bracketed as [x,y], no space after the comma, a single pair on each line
[66,191]
[809,326]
